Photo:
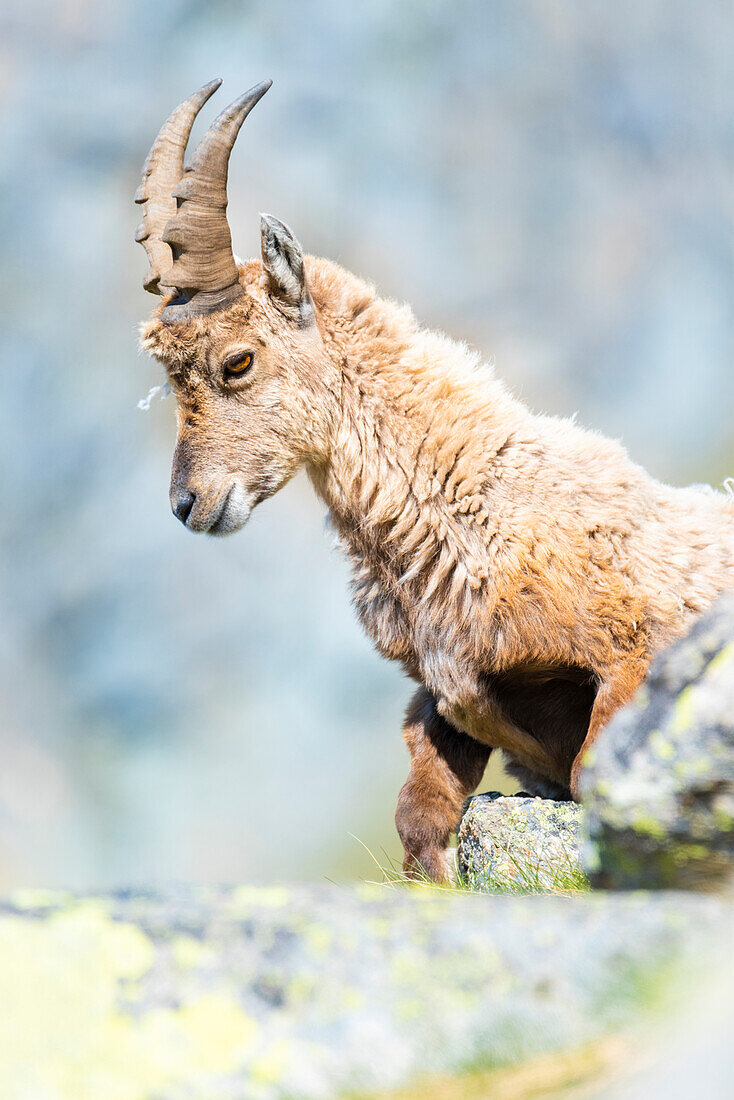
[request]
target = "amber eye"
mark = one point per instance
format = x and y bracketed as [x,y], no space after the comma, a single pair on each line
[238,365]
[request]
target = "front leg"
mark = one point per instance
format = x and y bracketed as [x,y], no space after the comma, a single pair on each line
[445,768]
[613,693]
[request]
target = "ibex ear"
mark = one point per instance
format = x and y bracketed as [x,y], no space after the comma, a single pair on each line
[283,269]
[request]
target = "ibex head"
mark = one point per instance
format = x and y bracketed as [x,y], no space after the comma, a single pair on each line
[241,344]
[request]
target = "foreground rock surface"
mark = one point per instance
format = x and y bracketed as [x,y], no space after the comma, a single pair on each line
[658,788]
[204,994]
[518,843]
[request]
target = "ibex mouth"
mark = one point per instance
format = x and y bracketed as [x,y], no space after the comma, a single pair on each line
[232,515]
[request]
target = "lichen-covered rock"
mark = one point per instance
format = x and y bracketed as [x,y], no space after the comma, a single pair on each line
[658,786]
[262,994]
[518,842]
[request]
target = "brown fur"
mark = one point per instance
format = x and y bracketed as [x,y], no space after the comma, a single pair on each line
[524,571]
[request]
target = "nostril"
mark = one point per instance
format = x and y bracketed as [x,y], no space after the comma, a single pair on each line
[182,508]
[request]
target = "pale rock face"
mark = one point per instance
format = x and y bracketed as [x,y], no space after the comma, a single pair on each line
[277,993]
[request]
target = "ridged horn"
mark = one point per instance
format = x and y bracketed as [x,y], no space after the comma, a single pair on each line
[162,170]
[204,268]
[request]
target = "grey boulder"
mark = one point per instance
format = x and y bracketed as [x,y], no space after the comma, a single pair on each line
[658,786]
[519,843]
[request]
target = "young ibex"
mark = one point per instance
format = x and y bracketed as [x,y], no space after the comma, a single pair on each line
[522,570]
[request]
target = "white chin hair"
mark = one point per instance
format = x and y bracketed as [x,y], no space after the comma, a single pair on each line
[236,512]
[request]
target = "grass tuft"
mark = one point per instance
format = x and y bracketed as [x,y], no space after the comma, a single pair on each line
[527,876]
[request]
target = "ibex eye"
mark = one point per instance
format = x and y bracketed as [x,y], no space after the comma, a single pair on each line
[238,364]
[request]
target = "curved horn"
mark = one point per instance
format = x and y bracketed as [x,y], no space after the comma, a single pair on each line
[204,267]
[162,170]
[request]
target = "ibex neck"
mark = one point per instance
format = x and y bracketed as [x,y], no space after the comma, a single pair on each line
[416,426]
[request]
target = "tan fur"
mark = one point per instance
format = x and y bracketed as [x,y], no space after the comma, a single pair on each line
[509,561]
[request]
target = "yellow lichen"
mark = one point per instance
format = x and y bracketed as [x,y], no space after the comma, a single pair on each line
[319,939]
[724,657]
[661,746]
[264,897]
[67,1038]
[188,952]
[684,710]
[34,898]
[647,825]
[267,1068]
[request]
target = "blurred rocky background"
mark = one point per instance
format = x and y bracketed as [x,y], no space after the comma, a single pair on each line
[552,181]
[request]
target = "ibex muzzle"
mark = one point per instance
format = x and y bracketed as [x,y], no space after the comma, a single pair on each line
[201,500]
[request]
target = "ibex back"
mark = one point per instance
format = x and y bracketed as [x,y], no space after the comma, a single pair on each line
[522,570]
